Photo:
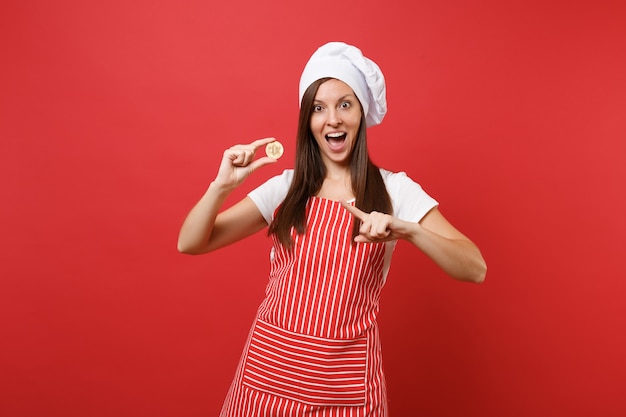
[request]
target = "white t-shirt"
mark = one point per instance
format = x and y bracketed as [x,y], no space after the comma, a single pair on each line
[410,202]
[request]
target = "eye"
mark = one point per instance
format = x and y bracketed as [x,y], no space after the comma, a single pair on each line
[344,105]
[317,108]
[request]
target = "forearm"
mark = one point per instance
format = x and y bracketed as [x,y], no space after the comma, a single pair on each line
[196,230]
[459,258]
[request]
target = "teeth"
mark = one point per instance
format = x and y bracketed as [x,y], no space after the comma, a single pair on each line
[335,135]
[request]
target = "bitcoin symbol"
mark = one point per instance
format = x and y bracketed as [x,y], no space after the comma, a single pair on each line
[274,150]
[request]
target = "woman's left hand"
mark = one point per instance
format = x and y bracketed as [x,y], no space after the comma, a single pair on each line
[377,227]
[458,256]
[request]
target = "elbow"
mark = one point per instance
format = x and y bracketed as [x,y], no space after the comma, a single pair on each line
[478,273]
[191,249]
[474,273]
[186,249]
[479,278]
[477,270]
[190,246]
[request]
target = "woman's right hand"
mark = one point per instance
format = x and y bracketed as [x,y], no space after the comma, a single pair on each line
[238,163]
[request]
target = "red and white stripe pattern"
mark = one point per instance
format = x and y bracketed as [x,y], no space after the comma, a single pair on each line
[325,286]
[307,369]
[314,349]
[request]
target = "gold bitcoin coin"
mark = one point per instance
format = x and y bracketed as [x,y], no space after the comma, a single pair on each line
[274,149]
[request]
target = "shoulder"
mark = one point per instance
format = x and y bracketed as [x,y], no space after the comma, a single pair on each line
[276,183]
[396,180]
[271,193]
[410,201]
[284,178]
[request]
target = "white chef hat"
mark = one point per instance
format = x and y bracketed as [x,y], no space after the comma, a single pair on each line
[346,63]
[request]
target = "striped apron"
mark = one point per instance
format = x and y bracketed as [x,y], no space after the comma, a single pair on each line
[314,348]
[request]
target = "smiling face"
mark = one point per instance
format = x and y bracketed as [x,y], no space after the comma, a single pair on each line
[335,121]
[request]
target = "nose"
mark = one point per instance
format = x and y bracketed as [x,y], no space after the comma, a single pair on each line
[334,118]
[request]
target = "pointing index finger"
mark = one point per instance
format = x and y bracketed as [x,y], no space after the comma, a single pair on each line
[355,211]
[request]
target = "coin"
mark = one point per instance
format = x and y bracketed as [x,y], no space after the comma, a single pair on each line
[274,149]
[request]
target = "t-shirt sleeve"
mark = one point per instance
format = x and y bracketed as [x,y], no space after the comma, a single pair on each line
[410,201]
[269,195]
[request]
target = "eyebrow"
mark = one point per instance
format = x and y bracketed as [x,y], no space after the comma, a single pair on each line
[340,98]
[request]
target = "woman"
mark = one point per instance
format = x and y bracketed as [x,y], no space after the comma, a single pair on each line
[334,220]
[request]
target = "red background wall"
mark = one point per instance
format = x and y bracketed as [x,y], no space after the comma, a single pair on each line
[113,118]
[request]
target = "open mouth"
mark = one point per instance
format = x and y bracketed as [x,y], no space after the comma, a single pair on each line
[336,139]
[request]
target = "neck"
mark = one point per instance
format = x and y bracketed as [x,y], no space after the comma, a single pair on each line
[337,185]
[336,172]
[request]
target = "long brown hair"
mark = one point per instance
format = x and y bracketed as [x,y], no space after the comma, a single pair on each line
[310,172]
